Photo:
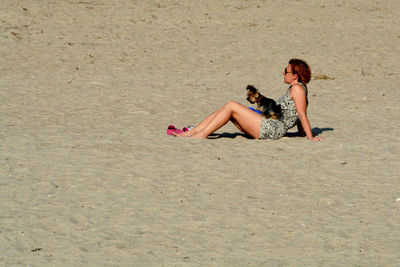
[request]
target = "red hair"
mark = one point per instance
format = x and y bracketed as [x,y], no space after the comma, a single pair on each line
[301,68]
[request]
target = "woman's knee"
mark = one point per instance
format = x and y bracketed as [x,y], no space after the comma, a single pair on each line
[232,104]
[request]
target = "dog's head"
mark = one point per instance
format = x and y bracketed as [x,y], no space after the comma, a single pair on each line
[252,94]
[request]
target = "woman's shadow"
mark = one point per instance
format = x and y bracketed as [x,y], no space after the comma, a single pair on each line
[316,131]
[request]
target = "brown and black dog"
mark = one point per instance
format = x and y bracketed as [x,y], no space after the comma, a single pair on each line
[266,105]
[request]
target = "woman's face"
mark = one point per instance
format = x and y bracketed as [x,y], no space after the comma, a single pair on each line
[288,76]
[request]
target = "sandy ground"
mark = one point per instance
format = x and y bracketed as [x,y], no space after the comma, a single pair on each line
[88,175]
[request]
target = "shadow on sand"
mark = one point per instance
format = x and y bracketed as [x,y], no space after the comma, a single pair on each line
[316,131]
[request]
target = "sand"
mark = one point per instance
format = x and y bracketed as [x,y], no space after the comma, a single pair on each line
[88,175]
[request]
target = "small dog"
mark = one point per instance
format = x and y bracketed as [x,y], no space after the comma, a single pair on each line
[266,105]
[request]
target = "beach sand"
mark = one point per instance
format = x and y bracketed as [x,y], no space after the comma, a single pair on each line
[88,175]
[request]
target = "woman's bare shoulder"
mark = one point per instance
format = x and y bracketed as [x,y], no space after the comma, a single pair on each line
[297,90]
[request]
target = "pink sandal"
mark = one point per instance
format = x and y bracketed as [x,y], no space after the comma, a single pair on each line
[187,128]
[172,129]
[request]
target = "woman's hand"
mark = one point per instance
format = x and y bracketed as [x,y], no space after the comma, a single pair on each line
[315,138]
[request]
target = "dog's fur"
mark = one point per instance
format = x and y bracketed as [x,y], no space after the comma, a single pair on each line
[266,105]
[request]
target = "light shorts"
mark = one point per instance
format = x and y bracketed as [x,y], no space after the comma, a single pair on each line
[272,129]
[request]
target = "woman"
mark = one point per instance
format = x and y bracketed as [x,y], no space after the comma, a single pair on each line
[294,110]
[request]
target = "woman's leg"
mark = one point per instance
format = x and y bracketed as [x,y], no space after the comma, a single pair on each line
[245,119]
[199,127]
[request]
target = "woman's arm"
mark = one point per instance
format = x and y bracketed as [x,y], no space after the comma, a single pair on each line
[299,96]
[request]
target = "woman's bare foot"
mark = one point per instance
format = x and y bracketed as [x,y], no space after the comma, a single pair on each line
[191,133]
[184,134]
